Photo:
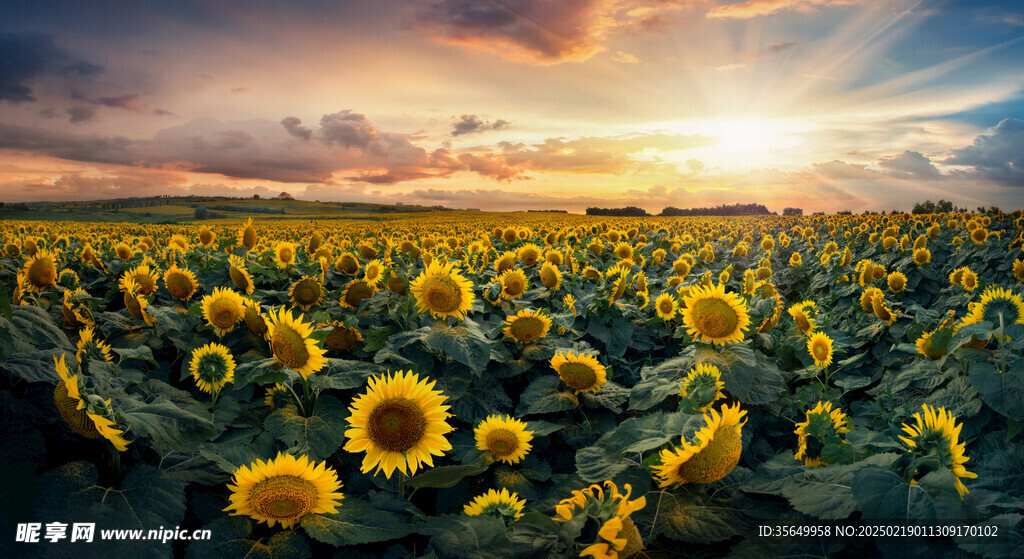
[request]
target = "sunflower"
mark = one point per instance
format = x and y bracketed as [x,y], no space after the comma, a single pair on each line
[935,437]
[998,305]
[212,367]
[712,316]
[41,270]
[969,280]
[284,490]
[240,276]
[124,252]
[292,345]
[922,256]
[527,326]
[68,279]
[207,236]
[528,254]
[881,310]
[87,414]
[373,272]
[247,237]
[347,264]
[513,284]
[355,292]
[145,279]
[284,254]
[501,504]
[178,243]
[399,422]
[306,292]
[550,276]
[821,425]
[867,296]
[897,282]
[926,348]
[74,308]
[253,317]
[956,276]
[342,339]
[820,348]
[503,439]
[702,387]
[222,309]
[713,452]
[803,315]
[136,303]
[180,282]
[570,303]
[89,256]
[665,306]
[90,347]
[278,397]
[1018,269]
[442,291]
[582,373]
[979,236]
[606,513]
[795,259]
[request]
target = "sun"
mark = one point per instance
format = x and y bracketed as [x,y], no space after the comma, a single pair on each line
[742,144]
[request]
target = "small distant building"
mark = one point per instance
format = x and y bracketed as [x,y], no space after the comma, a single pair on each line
[284,196]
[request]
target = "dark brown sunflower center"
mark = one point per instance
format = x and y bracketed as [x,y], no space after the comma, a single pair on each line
[179,285]
[820,350]
[442,293]
[357,292]
[341,338]
[224,313]
[665,306]
[528,256]
[289,347]
[396,424]
[896,283]
[513,285]
[716,460]
[286,254]
[145,283]
[577,376]
[283,497]
[714,318]
[123,252]
[502,442]
[307,292]
[527,328]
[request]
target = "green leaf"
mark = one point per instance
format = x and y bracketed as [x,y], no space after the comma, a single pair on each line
[658,383]
[342,374]
[318,435]
[540,428]
[1003,392]
[536,535]
[595,464]
[464,344]
[264,371]
[168,425]
[543,396]
[444,477]
[231,539]
[881,494]
[468,537]
[1008,543]
[5,303]
[356,522]
[143,353]
[33,328]
[36,366]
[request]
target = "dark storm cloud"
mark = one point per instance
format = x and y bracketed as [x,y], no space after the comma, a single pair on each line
[294,127]
[25,57]
[910,165]
[81,115]
[997,156]
[468,124]
[348,129]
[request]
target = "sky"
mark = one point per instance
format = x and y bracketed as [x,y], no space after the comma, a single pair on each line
[824,105]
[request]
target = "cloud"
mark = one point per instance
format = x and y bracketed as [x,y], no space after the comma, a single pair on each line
[26,57]
[625,58]
[81,115]
[726,67]
[599,155]
[97,186]
[910,165]
[769,50]
[349,129]
[294,127]
[757,8]
[996,156]
[126,101]
[469,124]
[841,170]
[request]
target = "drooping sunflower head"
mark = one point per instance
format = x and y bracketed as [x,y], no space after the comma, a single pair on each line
[666,306]
[222,309]
[292,345]
[513,284]
[822,426]
[68,279]
[527,326]
[442,291]
[91,347]
[252,314]
[284,490]
[803,316]
[347,264]
[550,276]
[503,439]
[897,282]
[820,348]
[75,309]
[934,440]
[710,455]
[247,236]
[278,397]
[1018,269]
[306,292]
[713,316]
[882,310]
[144,276]
[701,388]
[212,367]
[343,339]
[998,305]
[355,292]
[87,414]
[180,282]
[41,270]
[608,531]
[502,504]
[580,372]
[240,276]
[399,422]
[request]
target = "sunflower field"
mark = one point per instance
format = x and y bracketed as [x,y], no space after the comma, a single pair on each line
[516,385]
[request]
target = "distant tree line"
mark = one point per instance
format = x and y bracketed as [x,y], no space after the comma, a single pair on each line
[552,211]
[722,210]
[628,211]
[254,209]
[940,207]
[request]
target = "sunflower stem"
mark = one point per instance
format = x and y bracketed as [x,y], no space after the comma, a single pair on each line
[401,484]
[298,400]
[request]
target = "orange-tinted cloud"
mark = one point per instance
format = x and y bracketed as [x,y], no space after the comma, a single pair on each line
[757,8]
